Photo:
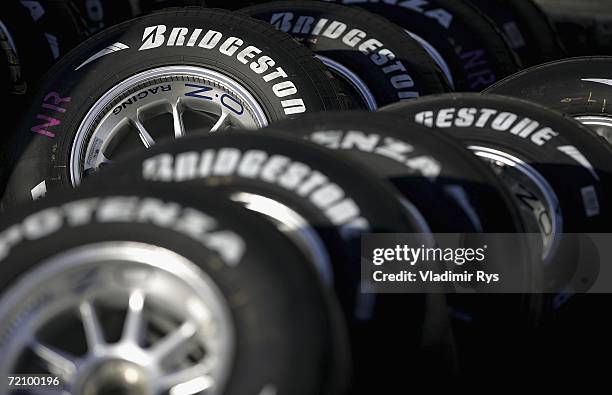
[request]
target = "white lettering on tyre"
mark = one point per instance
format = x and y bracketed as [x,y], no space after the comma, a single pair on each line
[126,209]
[293,176]
[394,149]
[487,118]
[263,65]
[382,57]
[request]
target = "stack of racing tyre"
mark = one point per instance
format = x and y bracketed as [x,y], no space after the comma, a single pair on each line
[187,187]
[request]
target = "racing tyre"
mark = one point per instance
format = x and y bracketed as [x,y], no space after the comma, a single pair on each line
[455,193]
[578,87]
[148,291]
[374,58]
[465,44]
[558,171]
[324,204]
[560,174]
[452,189]
[158,77]
[557,148]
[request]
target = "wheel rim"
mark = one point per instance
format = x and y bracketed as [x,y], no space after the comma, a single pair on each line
[436,56]
[543,211]
[176,334]
[157,104]
[600,124]
[353,80]
[295,227]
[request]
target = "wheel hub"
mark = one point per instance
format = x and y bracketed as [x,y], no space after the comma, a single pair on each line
[116,378]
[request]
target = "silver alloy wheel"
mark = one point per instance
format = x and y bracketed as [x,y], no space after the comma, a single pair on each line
[161,103]
[119,316]
[544,211]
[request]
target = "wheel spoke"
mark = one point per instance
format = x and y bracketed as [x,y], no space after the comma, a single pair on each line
[57,361]
[222,122]
[174,340]
[177,117]
[134,319]
[188,381]
[104,160]
[144,135]
[91,324]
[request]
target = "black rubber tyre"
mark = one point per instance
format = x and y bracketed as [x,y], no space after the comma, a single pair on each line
[391,65]
[525,27]
[456,193]
[453,190]
[283,309]
[75,84]
[569,157]
[346,202]
[475,52]
[100,14]
[578,87]
[589,167]
[582,212]
[27,41]
[358,203]
[61,23]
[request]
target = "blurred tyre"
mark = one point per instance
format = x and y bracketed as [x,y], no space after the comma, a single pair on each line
[456,193]
[325,204]
[162,76]
[152,292]
[374,58]
[526,28]
[466,45]
[451,188]
[322,201]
